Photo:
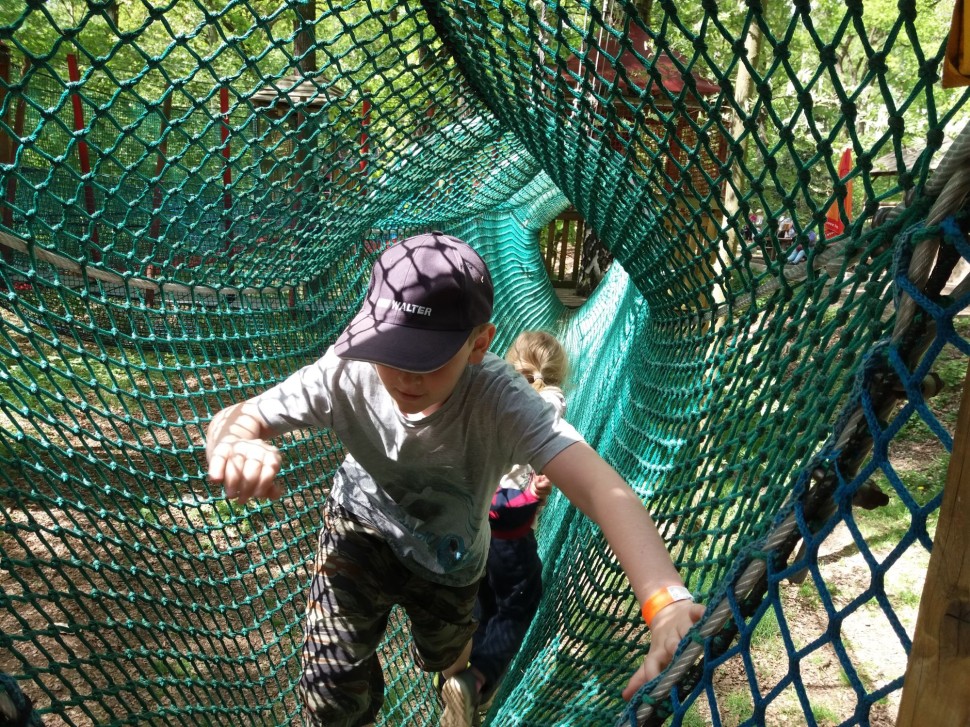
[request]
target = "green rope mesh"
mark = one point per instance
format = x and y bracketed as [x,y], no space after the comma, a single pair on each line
[191,195]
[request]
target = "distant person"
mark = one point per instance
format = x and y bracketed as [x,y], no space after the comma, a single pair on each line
[594,262]
[801,252]
[747,232]
[786,231]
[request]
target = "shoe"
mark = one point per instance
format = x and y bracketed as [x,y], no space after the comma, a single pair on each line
[460,697]
[485,699]
[438,682]
[482,711]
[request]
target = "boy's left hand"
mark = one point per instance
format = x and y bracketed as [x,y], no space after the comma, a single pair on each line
[669,627]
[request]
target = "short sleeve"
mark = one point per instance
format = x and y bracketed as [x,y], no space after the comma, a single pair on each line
[555,396]
[303,399]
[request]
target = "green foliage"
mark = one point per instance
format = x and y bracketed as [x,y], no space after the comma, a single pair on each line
[802,105]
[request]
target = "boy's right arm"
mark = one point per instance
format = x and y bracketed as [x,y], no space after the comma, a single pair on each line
[597,489]
[240,457]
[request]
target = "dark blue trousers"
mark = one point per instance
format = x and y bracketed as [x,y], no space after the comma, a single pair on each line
[508,598]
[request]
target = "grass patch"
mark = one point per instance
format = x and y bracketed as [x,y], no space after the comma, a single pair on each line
[737,706]
[825,716]
[766,631]
[693,718]
[894,520]
[808,593]
[908,598]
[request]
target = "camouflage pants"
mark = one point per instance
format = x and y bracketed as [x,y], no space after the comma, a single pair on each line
[356,581]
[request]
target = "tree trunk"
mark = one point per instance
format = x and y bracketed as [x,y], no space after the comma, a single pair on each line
[305,41]
[644,8]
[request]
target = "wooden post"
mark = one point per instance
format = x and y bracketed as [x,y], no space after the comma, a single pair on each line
[578,250]
[299,130]
[563,248]
[936,690]
[160,161]
[550,247]
[227,168]
[18,133]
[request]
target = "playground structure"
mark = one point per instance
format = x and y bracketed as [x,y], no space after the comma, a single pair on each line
[188,213]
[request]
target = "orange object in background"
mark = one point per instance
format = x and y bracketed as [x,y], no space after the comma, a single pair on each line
[833,223]
[956,62]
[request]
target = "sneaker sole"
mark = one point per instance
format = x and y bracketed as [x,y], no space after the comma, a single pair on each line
[459,710]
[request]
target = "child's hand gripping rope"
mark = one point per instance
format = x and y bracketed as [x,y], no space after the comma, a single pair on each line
[668,628]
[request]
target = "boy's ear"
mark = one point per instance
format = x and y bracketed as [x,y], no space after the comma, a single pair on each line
[481,342]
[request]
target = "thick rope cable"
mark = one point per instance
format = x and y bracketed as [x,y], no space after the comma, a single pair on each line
[16,708]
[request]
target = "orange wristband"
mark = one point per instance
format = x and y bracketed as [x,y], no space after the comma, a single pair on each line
[661,599]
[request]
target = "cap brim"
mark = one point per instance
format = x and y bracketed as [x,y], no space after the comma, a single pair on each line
[417,350]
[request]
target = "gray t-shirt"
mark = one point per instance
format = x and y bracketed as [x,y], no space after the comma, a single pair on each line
[425,483]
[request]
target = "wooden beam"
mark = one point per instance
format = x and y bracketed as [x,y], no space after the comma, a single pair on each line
[936,690]
[578,249]
[563,249]
[68,265]
[570,213]
[550,247]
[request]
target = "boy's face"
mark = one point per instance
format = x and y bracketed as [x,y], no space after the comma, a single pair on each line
[425,393]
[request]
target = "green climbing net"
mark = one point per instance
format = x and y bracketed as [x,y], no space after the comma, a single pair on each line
[191,194]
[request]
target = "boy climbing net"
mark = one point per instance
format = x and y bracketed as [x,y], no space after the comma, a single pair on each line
[410,389]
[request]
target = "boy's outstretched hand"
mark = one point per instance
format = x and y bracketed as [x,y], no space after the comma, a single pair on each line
[239,455]
[247,468]
[669,627]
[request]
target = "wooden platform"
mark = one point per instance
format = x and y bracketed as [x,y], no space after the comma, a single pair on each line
[569,298]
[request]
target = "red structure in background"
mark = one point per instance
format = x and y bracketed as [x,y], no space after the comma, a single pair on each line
[644,84]
[834,226]
[84,161]
[10,143]
[665,80]
[364,134]
[636,80]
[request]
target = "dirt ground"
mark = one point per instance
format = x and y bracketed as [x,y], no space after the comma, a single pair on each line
[871,644]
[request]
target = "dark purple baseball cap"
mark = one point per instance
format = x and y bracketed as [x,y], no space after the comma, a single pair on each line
[427,293]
